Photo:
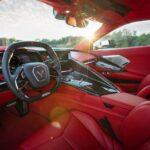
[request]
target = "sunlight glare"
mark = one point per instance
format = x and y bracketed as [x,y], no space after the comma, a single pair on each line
[92,27]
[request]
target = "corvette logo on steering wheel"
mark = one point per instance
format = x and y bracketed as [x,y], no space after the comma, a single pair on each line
[39,73]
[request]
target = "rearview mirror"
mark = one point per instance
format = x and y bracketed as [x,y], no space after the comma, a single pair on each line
[76,22]
[58,16]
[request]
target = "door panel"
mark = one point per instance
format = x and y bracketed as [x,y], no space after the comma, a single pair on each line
[136,70]
[117,59]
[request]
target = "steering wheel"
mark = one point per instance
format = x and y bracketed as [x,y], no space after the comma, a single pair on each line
[36,74]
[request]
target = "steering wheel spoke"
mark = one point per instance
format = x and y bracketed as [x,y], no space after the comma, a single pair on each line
[17,73]
[24,86]
[51,63]
[19,78]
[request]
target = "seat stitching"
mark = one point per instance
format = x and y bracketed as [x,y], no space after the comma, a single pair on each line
[68,142]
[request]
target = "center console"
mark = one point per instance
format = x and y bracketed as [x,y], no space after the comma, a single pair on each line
[121,103]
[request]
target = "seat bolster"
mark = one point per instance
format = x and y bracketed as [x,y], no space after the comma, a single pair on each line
[135,128]
[145,92]
[145,82]
[92,126]
[145,146]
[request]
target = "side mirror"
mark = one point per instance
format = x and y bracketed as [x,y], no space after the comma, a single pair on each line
[105,43]
[100,44]
[76,22]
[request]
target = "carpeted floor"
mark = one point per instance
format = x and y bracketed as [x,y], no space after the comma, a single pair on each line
[14,129]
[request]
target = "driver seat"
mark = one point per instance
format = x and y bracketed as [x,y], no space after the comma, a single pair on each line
[79,131]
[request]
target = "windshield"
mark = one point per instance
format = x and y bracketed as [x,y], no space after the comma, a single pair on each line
[23,20]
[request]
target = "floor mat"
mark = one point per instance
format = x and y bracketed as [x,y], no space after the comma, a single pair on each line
[15,129]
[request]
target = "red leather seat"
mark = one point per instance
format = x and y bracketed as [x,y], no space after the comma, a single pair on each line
[144,87]
[79,131]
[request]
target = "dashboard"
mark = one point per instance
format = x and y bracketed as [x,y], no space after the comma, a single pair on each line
[74,73]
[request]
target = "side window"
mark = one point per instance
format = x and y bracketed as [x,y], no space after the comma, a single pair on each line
[130,35]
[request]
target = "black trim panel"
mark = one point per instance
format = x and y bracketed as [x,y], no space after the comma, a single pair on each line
[114,80]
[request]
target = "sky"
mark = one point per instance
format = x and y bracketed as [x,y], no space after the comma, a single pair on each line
[31,19]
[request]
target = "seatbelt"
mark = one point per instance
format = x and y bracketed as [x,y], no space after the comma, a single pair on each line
[105,123]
